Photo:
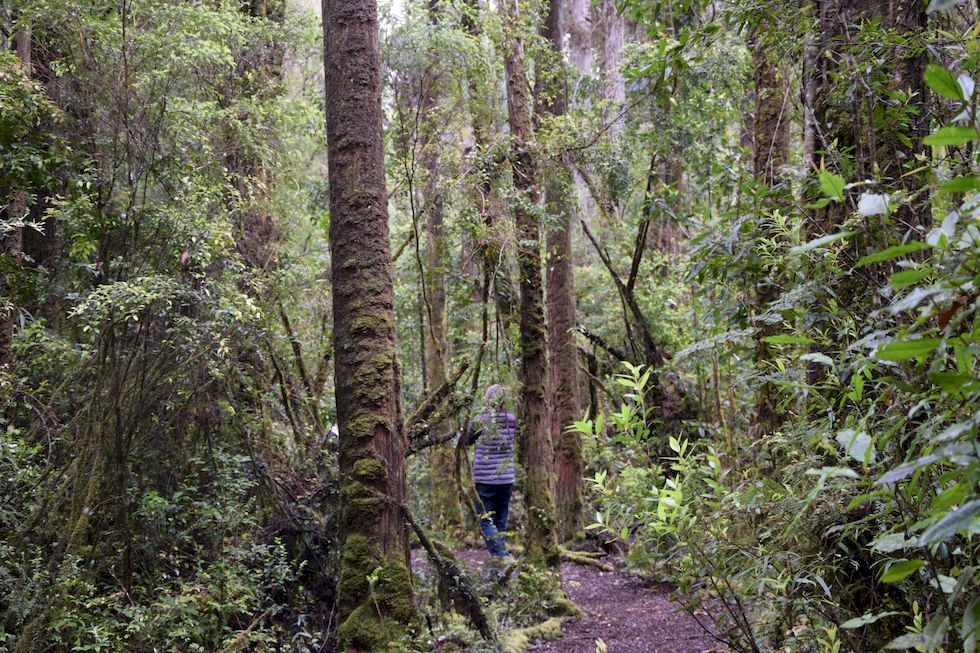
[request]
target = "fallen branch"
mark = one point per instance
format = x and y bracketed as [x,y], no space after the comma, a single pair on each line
[599,342]
[452,580]
[586,559]
[238,641]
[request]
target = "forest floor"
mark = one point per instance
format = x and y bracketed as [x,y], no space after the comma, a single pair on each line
[626,613]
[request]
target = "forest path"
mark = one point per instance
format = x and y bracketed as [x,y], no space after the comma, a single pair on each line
[628,615]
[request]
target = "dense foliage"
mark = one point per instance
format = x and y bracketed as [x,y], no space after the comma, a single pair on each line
[777,336]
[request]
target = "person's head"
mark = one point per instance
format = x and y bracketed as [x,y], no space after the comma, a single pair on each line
[495,396]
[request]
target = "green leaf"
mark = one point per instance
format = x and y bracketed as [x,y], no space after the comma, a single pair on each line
[942,81]
[902,570]
[952,523]
[935,632]
[949,381]
[907,278]
[891,252]
[905,642]
[959,185]
[817,357]
[857,622]
[951,135]
[785,339]
[903,350]
[970,626]
[891,542]
[832,185]
[857,445]
[906,470]
[820,242]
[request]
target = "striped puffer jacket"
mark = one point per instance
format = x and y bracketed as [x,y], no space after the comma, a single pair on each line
[493,457]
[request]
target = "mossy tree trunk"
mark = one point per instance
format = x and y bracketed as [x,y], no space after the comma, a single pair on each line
[375,601]
[445,504]
[541,547]
[12,243]
[770,156]
[565,403]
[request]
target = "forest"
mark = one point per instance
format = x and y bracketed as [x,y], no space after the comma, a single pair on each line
[578,326]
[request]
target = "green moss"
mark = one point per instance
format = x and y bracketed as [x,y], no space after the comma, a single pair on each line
[373,322]
[359,557]
[517,641]
[364,630]
[370,470]
[361,507]
[361,428]
[385,616]
[394,591]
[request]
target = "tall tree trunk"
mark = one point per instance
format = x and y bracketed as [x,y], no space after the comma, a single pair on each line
[373,612]
[480,101]
[580,54]
[565,403]
[535,442]
[580,39]
[445,504]
[614,90]
[12,244]
[770,155]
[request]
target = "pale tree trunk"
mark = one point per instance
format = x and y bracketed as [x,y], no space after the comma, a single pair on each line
[445,505]
[580,40]
[480,101]
[565,403]
[770,155]
[580,54]
[614,89]
[374,540]
[541,548]
[12,244]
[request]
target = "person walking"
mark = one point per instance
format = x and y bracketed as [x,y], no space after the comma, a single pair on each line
[494,433]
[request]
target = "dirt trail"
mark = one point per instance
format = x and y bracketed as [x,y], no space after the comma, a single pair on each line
[628,616]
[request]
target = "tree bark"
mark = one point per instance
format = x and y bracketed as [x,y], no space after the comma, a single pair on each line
[580,38]
[375,601]
[12,244]
[770,155]
[541,548]
[565,403]
[614,90]
[580,54]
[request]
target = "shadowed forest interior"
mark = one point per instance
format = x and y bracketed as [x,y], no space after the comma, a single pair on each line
[489,325]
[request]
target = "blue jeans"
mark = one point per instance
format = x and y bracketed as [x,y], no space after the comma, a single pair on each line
[496,501]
